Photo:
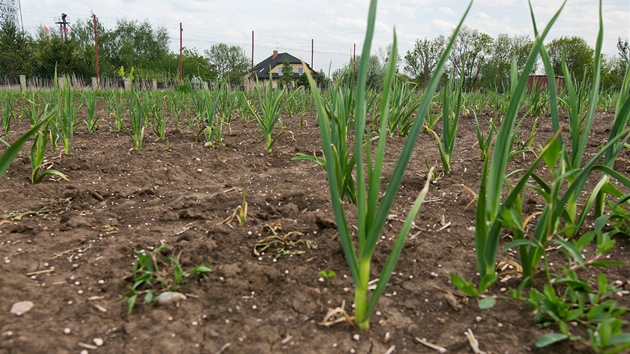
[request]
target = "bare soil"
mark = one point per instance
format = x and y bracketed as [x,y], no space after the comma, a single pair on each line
[68,247]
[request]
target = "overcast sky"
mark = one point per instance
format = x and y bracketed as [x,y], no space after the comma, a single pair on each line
[335,25]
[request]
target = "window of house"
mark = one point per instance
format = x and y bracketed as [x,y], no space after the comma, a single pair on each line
[300,71]
[280,71]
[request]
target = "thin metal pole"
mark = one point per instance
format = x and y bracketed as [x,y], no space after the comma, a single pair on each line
[312,51]
[181,58]
[21,18]
[426,68]
[96,48]
[252,50]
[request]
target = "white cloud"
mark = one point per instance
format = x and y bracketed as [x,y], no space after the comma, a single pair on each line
[446,10]
[442,26]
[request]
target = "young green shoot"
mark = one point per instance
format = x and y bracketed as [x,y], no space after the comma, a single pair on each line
[373,207]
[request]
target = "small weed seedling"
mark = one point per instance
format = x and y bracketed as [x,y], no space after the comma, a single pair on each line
[153,273]
[285,245]
[239,213]
[326,275]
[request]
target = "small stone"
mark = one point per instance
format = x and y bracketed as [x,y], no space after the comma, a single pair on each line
[97,342]
[128,328]
[84,352]
[67,331]
[20,308]
[169,297]
[356,337]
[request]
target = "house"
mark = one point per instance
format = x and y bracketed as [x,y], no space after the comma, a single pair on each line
[272,68]
[541,82]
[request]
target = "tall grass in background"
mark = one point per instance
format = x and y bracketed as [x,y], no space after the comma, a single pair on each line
[372,210]
[158,118]
[8,112]
[451,111]
[212,123]
[138,111]
[91,119]
[64,120]
[271,102]
[404,104]
[13,150]
[491,211]
[338,106]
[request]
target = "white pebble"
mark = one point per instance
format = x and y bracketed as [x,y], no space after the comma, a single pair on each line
[254,307]
[478,318]
[194,323]
[84,352]
[97,342]
[101,281]
[20,308]
[80,292]
[67,330]
[356,337]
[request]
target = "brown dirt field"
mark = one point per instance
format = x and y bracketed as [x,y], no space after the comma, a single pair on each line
[74,258]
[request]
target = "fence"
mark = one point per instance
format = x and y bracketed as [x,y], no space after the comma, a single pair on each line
[90,46]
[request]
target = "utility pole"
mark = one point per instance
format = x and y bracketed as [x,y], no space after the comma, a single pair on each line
[63,25]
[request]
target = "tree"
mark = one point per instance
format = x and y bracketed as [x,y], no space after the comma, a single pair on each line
[578,55]
[495,72]
[195,64]
[470,52]
[287,75]
[138,45]
[375,72]
[383,55]
[51,51]
[15,51]
[424,58]
[624,49]
[322,81]
[613,70]
[521,47]
[229,62]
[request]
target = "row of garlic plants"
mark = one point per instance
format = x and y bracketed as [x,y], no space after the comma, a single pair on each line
[565,298]
[349,114]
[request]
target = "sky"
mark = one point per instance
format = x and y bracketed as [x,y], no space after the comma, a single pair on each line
[333,27]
